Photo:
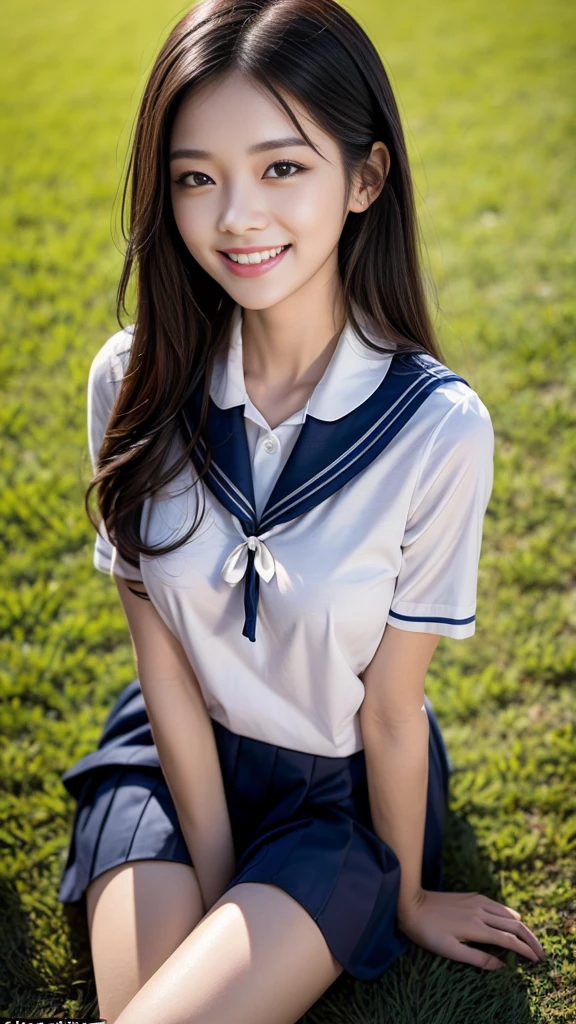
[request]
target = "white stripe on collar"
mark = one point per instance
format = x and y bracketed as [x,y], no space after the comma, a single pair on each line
[352,375]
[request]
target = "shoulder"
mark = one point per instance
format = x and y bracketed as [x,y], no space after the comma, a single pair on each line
[456,418]
[109,365]
[455,448]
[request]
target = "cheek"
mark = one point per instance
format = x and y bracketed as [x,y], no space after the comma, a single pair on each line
[191,221]
[315,212]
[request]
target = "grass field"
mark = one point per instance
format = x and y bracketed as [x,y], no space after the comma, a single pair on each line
[486,95]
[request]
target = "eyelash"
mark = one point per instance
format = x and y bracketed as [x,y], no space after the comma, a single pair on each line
[181,179]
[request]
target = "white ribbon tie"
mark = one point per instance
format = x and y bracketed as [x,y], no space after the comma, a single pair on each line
[236,564]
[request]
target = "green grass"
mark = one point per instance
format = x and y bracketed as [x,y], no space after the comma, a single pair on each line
[485,93]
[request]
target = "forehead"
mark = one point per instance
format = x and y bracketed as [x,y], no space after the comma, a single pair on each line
[237,109]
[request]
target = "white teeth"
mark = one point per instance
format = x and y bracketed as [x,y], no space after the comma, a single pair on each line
[254,257]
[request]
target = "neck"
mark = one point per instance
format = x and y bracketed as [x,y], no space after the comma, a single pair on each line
[290,344]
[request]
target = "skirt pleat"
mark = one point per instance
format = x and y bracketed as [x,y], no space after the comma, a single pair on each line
[300,821]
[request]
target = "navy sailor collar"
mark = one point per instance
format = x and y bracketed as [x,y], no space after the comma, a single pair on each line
[328,453]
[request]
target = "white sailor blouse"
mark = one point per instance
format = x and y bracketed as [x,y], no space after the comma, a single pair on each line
[364,508]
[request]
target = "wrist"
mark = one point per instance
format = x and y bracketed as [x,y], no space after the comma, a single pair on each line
[212,888]
[410,902]
[213,876]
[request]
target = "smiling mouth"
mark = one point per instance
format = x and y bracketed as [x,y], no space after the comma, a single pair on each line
[254,257]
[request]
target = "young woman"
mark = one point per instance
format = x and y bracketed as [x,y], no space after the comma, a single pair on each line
[292,487]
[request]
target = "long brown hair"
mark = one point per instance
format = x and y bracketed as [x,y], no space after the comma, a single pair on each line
[312,50]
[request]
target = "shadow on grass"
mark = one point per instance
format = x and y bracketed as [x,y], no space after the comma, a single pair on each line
[24,988]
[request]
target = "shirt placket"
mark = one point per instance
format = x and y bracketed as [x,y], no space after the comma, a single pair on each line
[266,462]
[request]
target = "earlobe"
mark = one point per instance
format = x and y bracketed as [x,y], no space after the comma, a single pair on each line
[359,203]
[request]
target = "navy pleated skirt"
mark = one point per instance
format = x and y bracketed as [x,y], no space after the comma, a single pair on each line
[299,821]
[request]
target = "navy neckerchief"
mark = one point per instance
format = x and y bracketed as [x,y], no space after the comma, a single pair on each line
[327,454]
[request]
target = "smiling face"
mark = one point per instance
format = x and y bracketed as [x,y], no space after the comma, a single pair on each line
[245,184]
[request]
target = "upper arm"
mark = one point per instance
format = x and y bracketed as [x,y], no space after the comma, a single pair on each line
[435,590]
[174,702]
[159,654]
[394,680]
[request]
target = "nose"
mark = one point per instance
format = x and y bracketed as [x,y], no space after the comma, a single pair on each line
[242,211]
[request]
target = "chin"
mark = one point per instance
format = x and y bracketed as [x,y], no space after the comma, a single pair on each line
[256,302]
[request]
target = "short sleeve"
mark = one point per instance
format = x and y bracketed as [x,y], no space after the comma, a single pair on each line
[436,585]
[104,378]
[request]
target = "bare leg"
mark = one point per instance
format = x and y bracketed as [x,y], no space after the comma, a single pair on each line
[138,914]
[256,957]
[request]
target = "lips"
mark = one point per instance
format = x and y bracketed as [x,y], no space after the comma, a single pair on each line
[252,261]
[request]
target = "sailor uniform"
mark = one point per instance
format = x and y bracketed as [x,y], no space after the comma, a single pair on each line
[363,508]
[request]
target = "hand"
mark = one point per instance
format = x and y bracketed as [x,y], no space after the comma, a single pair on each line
[444,921]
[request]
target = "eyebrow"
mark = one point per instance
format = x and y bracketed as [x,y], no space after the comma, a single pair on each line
[258,147]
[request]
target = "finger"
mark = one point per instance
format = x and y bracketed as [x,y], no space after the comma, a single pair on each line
[517,928]
[455,950]
[499,937]
[511,941]
[500,908]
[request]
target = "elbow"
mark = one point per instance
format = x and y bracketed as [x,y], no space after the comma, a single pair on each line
[376,716]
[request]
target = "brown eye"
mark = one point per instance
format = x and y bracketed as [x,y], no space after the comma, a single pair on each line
[283,169]
[184,179]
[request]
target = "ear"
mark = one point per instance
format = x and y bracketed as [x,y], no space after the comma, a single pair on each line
[370,179]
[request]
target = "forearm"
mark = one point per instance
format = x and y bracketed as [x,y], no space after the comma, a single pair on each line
[184,737]
[397,770]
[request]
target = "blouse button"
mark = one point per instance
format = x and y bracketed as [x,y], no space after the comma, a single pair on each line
[271,443]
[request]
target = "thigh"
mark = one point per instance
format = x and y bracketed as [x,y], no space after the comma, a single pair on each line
[256,957]
[138,913]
